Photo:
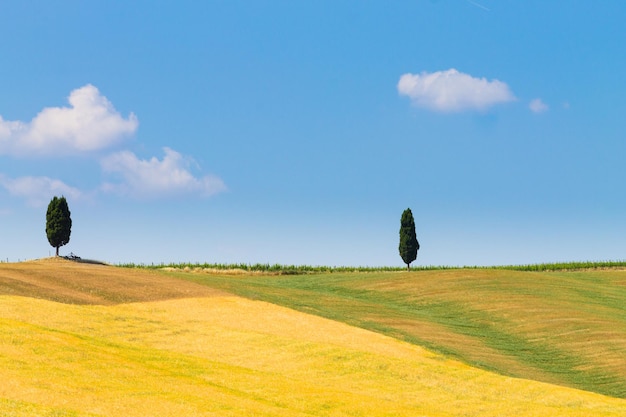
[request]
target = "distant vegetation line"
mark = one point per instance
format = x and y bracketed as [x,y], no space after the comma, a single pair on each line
[309,269]
[269,268]
[564,266]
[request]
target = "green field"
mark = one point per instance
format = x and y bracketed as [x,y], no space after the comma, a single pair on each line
[566,328]
[93,340]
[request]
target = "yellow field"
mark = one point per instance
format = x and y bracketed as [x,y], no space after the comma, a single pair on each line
[218,354]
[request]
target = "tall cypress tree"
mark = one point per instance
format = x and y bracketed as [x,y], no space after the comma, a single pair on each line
[408,240]
[58,223]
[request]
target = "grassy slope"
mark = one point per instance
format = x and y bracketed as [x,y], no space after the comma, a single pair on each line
[217,354]
[567,328]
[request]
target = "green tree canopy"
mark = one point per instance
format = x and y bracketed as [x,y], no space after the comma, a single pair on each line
[408,240]
[58,223]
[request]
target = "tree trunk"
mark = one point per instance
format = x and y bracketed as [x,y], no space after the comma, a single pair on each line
[408,267]
[57,251]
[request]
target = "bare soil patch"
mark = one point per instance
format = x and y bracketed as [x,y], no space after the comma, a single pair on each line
[71,282]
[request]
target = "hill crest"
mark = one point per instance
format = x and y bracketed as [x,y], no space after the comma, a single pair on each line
[65,281]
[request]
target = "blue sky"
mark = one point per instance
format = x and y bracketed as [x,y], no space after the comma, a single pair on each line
[298,132]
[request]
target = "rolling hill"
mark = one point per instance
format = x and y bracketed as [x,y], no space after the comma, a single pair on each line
[565,327]
[91,340]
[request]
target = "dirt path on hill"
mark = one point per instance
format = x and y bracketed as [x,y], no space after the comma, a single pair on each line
[80,283]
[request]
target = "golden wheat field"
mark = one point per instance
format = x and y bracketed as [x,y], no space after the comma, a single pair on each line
[90,340]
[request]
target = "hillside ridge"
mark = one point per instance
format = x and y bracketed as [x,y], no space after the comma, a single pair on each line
[65,281]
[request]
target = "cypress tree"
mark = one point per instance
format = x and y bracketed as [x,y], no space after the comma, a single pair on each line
[58,223]
[408,240]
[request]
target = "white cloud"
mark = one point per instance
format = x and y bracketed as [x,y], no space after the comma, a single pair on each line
[538,106]
[155,178]
[91,123]
[453,91]
[37,191]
